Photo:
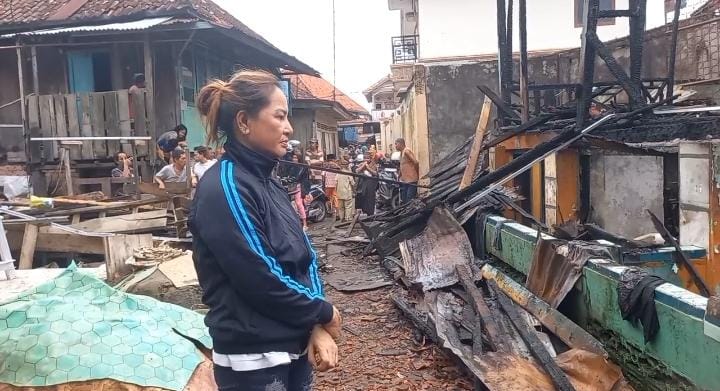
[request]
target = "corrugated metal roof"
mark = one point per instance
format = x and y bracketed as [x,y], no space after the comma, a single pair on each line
[142,24]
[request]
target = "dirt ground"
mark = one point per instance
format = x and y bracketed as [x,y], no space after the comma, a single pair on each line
[380,349]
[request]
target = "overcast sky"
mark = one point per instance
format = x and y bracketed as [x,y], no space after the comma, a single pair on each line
[303,28]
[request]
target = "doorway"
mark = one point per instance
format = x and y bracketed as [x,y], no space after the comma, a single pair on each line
[89,71]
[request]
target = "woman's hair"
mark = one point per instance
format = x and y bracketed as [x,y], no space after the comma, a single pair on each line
[220,101]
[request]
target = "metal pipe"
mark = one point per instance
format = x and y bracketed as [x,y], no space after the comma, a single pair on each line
[673,48]
[528,166]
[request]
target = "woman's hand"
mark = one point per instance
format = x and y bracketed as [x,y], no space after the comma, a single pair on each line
[322,350]
[334,328]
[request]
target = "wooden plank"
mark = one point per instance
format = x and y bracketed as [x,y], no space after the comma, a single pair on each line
[130,223]
[140,122]
[149,64]
[97,120]
[112,121]
[680,258]
[495,338]
[104,208]
[27,250]
[118,248]
[476,148]
[123,106]
[33,109]
[65,156]
[73,124]
[529,335]
[86,152]
[33,120]
[63,242]
[46,125]
[60,116]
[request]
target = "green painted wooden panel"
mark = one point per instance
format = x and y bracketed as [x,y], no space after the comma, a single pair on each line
[680,350]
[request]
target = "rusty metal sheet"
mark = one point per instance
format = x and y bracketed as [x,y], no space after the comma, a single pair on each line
[557,265]
[430,258]
[508,371]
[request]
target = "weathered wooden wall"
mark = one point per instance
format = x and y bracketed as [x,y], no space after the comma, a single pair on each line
[99,114]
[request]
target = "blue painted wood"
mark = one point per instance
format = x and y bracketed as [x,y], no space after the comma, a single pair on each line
[80,69]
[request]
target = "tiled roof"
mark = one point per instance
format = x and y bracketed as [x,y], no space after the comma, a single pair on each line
[35,12]
[317,88]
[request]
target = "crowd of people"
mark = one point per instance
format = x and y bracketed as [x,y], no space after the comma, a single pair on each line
[346,194]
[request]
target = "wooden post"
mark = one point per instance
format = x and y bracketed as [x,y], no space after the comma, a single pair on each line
[524,96]
[36,83]
[21,83]
[65,156]
[476,148]
[27,250]
[150,88]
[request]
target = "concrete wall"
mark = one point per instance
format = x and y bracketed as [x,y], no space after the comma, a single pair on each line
[453,103]
[468,27]
[621,188]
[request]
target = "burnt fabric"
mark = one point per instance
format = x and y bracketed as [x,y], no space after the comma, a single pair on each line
[557,265]
[636,297]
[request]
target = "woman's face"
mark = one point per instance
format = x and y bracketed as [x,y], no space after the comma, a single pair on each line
[270,130]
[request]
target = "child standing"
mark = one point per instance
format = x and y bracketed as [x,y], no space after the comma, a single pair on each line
[345,194]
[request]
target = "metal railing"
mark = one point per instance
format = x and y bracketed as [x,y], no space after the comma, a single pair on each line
[404,49]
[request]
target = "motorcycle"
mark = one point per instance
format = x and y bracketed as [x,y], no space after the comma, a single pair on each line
[388,194]
[316,204]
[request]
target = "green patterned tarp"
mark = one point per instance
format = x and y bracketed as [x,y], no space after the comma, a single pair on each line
[77,328]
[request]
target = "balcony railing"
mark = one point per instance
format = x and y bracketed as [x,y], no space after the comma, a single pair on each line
[404,49]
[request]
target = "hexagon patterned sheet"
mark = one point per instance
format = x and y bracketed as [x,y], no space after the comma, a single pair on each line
[77,328]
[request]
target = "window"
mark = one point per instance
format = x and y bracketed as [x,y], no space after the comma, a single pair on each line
[378,106]
[605,5]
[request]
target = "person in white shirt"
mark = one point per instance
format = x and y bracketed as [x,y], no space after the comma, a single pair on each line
[202,163]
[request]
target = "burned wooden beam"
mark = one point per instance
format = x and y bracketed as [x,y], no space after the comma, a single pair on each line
[555,322]
[637,38]
[587,62]
[673,47]
[616,69]
[502,106]
[680,256]
[418,319]
[529,335]
[520,129]
[486,318]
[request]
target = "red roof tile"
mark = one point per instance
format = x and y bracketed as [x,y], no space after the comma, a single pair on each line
[31,11]
[317,88]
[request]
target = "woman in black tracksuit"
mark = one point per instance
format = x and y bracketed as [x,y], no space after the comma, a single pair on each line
[268,317]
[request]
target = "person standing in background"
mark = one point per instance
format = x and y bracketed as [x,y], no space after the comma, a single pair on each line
[203,162]
[331,184]
[345,194]
[409,171]
[314,157]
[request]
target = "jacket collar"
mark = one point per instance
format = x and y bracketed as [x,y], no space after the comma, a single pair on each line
[257,163]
